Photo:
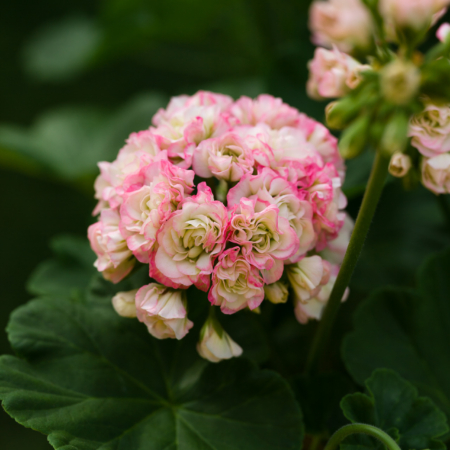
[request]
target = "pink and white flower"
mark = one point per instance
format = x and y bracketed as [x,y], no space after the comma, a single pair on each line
[237,284]
[436,173]
[163,310]
[264,109]
[140,149]
[114,258]
[430,130]
[216,344]
[344,23]
[414,14]
[336,248]
[188,121]
[313,308]
[443,32]
[333,74]
[189,242]
[226,157]
[286,150]
[269,188]
[265,237]
[153,194]
[308,276]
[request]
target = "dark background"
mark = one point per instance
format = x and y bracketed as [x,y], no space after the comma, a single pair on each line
[77,76]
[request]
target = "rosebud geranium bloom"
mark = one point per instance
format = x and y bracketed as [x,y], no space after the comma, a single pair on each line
[190,240]
[333,74]
[227,158]
[430,130]
[436,173]
[163,310]
[344,23]
[145,209]
[265,237]
[141,149]
[308,276]
[313,308]
[215,344]
[237,284]
[280,173]
[270,188]
[114,259]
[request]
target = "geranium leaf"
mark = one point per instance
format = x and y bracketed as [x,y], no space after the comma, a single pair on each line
[393,405]
[93,380]
[407,331]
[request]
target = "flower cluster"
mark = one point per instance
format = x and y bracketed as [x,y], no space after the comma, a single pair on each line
[389,100]
[280,214]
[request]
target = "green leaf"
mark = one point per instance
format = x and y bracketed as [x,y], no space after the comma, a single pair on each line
[93,380]
[393,405]
[69,272]
[61,50]
[407,331]
[69,142]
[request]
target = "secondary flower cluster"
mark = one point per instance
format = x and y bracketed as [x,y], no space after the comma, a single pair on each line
[360,27]
[240,199]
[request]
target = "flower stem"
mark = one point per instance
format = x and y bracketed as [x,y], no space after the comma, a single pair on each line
[353,428]
[363,221]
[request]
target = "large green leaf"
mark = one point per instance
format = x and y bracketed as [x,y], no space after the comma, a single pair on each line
[68,142]
[93,380]
[393,405]
[408,331]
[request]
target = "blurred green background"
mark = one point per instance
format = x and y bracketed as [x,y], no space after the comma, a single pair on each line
[78,76]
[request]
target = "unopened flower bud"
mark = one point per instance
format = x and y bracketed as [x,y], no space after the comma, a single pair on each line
[215,344]
[443,32]
[395,134]
[400,81]
[340,113]
[276,292]
[124,303]
[399,165]
[354,138]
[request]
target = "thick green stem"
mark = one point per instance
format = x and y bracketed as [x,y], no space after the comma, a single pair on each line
[363,221]
[375,432]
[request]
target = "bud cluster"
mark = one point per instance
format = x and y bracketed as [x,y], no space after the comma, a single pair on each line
[240,199]
[388,92]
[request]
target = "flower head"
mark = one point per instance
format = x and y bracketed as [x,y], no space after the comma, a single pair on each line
[276,292]
[189,242]
[153,194]
[237,284]
[265,237]
[226,157]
